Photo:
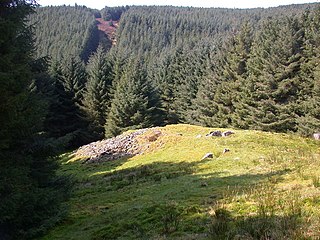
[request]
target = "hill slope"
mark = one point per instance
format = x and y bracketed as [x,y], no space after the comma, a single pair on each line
[63,31]
[265,187]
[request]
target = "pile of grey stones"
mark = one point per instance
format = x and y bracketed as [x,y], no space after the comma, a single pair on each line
[122,146]
[218,133]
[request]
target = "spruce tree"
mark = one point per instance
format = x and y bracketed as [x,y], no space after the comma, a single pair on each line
[309,95]
[206,108]
[217,96]
[30,191]
[135,102]
[96,98]
[273,82]
[163,78]
[66,121]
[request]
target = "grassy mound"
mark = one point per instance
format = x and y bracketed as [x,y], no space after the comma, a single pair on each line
[266,187]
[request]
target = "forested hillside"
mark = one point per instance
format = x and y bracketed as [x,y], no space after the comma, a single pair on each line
[248,69]
[64,31]
[151,29]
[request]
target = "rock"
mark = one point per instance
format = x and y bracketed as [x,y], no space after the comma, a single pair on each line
[199,136]
[204,184]
[225,150]
[122,146]
[227,133]
[207,155]
[214,134]
[316,136]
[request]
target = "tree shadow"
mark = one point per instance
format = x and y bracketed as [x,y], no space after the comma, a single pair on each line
[167,195]
[223,226]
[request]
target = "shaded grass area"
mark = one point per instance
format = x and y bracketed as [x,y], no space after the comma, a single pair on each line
[266,187]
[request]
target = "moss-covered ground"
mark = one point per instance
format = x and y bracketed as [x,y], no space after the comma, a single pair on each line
[266,187]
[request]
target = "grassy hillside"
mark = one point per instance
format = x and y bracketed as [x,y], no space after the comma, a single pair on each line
[266,187]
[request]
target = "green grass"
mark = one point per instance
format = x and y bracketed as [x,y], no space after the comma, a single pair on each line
[266,187]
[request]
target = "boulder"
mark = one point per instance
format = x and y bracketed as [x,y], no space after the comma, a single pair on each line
[214,134]
[316,136]
[207,155]
[227,133]
[226,150]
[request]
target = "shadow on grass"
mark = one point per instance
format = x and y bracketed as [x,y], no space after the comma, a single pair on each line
[170,199]
[223,226]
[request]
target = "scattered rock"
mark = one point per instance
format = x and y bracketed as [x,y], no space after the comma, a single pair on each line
[227,133]
[207,155]
[316,136]
[204,184]
[237,159]
[125,145]
[199,136]
[214,134]
[226,150]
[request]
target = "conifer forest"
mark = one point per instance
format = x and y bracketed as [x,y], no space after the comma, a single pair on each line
[71,75]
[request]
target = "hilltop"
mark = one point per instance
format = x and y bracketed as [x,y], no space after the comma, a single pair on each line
[265,187]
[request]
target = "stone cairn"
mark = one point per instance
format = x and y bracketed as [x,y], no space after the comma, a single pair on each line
[122,146]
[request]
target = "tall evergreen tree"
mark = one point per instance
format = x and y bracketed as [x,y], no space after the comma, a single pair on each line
[162,76]
[30,191]
[65,120]
[273,82]
[309,95]
[96,99]
[218,92]
[135,102]
[205,107]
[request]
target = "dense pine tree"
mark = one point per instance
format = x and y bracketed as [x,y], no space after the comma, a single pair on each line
[66,120]
[64,31]
[217,67]
[273,80]
[96,99]
[30,191]
[309,95]
[205,108]
[135,102]
[162,76]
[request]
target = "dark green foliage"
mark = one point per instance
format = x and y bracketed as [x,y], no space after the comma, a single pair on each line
[113,13]
[135,102]
[273,75]
[162,76]
[216,67]
[152,29]
[30,191]
[309,96]
[65,120]
[217,96]
[90,42]
[64,31]
[96,98]
[206,66]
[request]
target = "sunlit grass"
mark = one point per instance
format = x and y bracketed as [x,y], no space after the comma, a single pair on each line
[170,192]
